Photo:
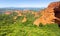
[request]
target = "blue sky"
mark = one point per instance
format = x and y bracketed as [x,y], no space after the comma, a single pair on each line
[25,3]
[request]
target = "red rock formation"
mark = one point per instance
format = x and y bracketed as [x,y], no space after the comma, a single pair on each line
[7,13]
[24,19]
[53,4]
[19,12]
[51,13]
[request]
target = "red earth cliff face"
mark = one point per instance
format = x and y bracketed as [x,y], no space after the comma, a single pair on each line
[54,4]
[49,15]
[56,7]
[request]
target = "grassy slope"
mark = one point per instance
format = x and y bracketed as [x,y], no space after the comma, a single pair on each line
[9,28]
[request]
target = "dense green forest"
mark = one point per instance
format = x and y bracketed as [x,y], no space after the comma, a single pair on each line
[15,27]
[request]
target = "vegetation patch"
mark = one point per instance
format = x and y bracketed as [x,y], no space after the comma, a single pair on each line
[11,27]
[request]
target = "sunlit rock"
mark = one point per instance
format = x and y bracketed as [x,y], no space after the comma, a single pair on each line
[49,14]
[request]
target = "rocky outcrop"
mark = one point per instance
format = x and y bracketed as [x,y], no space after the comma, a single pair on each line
[8,13]
[24,19]
[54,4]
[49,14]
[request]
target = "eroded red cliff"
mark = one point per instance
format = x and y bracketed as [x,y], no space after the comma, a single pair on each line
[49,15]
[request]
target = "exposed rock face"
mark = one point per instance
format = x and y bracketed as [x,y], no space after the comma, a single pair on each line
[54,4]
[50,14]
[7,13]
[56,8]
[24,19]
[46,17]
[19,12]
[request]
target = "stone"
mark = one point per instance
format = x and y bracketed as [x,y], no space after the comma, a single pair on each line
[8,13]
[24,20]
[49,15]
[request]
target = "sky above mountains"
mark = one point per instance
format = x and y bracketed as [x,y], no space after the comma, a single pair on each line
[25,3]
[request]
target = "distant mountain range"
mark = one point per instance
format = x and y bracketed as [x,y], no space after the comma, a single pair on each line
[15,8]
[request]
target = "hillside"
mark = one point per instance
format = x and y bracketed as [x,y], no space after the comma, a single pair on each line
[21,24]
[34,22]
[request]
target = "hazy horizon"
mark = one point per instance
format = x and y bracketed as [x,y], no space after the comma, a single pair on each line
[25,3]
